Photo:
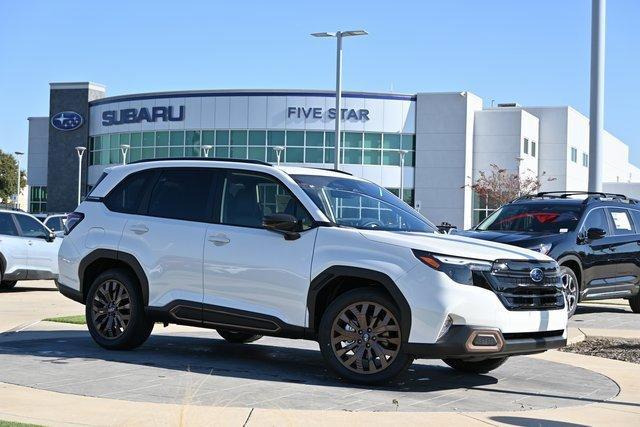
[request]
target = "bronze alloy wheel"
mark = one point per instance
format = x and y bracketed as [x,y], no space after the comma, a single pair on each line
[365,337]
[111,309]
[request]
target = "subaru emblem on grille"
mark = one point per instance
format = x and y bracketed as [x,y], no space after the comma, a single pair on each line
[536,275]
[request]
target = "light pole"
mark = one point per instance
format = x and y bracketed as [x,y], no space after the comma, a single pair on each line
[338,113]
[596,109]
[18,154]
[278,149]
[80,151]
[124,148]
[402,154]
[206,149]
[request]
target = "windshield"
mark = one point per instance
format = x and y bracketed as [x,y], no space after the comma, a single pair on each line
[361,204]
[536,218]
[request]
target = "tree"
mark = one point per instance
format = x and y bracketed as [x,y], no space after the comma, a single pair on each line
[9,176]
[499,186]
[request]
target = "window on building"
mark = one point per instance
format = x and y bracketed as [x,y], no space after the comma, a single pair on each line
[317,147]
[533,148]
[574,154]
[585,160]
[525,146]
[37,199]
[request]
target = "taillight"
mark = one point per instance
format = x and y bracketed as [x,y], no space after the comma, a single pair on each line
[73,219]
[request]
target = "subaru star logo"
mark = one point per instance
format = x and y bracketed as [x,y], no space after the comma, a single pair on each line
[536,275]
[66,120]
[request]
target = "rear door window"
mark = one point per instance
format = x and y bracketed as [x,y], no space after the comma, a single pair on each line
[621,221]
[636,219]
[184,194]
[31,227]
[7,226]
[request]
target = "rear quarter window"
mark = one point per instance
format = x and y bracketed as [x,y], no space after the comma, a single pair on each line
[127,195]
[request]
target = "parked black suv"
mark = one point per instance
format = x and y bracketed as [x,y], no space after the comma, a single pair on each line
[595,237]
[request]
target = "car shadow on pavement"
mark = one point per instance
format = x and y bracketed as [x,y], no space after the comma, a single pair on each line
[216,357]
[18,289]
[590,309]
[532,422]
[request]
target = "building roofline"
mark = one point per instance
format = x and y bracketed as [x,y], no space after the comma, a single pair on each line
[251,92]
[78,85]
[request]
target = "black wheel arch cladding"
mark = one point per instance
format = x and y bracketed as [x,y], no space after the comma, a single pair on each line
[335,275]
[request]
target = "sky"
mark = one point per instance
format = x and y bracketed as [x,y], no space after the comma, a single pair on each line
[532,52]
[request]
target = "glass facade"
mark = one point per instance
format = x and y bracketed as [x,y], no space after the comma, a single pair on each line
[317,147]
[37,199]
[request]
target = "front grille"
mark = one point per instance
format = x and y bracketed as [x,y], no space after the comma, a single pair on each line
[512,283]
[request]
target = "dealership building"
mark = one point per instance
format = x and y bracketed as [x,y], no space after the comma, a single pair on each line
[446,140]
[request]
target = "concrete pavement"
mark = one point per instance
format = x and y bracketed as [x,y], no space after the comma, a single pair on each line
[32,404]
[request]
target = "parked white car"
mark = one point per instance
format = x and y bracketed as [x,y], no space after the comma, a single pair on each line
[28,249]
[251,249]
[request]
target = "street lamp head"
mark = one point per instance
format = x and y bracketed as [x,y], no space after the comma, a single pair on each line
[80,150]
[325,34]
[125,146]
[341,33]
[18,153]
[354,33]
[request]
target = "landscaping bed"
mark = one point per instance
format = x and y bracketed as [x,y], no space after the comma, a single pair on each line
[627,350]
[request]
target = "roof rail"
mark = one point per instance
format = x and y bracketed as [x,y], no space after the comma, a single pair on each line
[331,170]
[209,159]
[591,196]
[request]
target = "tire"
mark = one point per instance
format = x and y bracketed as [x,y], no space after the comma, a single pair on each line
[7,284]
[634,303]
[476,366]
[571,288]
[114,324]
[381,358]
[238,337]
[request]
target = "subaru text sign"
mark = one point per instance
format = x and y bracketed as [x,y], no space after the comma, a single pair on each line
[135,115]
[361,115]
[66,120]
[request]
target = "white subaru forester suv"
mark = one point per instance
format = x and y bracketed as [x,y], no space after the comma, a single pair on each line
[251,249]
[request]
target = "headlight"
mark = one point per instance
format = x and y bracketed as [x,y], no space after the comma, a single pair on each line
[543,248]
[460,270]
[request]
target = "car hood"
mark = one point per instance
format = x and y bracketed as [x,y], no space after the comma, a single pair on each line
[454,245]
[521,239]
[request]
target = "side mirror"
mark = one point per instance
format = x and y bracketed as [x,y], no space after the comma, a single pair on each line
[596,233]
[282,223]
[50,236]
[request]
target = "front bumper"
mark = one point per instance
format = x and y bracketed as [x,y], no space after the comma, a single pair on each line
[458,343]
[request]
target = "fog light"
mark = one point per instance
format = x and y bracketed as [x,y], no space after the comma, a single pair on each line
[445,327]
[485,340]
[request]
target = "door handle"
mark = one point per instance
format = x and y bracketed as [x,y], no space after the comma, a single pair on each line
[218,239]
[139,228]
[30,243]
